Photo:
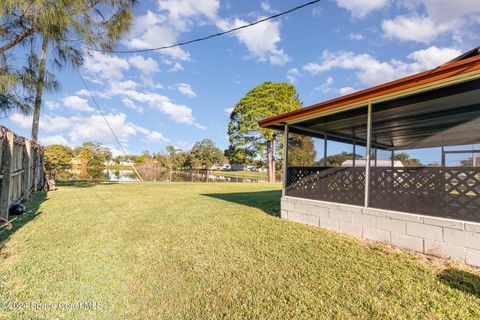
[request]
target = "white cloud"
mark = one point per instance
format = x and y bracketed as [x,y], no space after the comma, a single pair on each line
[132,98]
[228,110]
[447,10]
[420,29]
[317,11]
[177,112]
[155,136]
[92,79]
[47,123]
[346,90]
[371,71]
[82,92]
[360,8]
[146,66]
[433,56]
[131,105]
[292,75]
[76,103]
[119,86]
[356,36]
[186,90]
[105,66]
[265,5]
[21,120]
[182,13]
[52,105]
[261,40]
[86,128]
[53,139]
[94,128]
[177,66]
[427,19]
[326,86]
[162,28]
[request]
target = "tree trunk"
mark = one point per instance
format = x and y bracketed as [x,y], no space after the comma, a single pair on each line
[40,85]
[271,160]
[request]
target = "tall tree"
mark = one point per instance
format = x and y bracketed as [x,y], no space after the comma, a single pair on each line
[205,154]
[61,25]
[57,154]
[266,100]
[239,156]
[301,151]
[97,152]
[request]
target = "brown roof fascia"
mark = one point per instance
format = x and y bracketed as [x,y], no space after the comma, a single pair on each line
[439,73]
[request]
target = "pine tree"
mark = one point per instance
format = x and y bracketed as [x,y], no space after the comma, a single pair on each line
[266,100]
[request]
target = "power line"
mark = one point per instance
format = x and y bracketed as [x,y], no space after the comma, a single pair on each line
[106,121]
[210,36]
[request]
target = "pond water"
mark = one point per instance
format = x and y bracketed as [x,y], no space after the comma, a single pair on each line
[152,175]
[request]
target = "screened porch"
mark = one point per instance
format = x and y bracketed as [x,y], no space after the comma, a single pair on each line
[436,110]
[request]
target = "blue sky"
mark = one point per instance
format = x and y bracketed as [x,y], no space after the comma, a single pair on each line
[182,95]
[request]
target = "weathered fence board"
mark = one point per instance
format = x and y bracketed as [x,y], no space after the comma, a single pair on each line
[21,169]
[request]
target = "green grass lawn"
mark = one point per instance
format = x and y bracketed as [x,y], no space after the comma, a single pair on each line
[242,174]
[210,251]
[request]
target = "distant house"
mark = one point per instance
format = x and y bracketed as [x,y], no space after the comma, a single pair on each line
[234,167]
[238,167]
[380,163]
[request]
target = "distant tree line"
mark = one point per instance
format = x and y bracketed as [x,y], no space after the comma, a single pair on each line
[203,155]
[91,158]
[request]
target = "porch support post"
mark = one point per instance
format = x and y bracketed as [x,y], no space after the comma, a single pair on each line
[325,149]
[474,164]
[443,157]
[285,159]
[376,156]
[367,156]
[392,156]
[354,153]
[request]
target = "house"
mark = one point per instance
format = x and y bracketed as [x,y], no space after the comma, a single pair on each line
[433,210]
[238,167]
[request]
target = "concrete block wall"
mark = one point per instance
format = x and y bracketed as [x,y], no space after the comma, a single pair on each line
[441,237]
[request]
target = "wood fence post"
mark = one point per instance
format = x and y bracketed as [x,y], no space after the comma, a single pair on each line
[27,166]
[35,167]
[42,168]
[7,163]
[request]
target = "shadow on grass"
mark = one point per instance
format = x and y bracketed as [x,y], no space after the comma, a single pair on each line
[19,221]
[81,183]
[267,201]
[461,280]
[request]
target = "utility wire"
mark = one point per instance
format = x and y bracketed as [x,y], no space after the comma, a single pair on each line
[106,121]
[209,36]
[173,46]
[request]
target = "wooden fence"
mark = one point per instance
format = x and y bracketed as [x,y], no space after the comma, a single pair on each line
[21,169]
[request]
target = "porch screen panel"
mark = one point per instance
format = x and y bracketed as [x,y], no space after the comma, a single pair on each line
[334,184]
[451,192]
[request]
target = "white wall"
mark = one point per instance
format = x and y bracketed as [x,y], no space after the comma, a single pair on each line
[441,237]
